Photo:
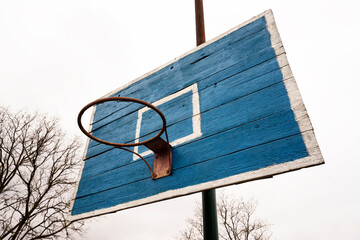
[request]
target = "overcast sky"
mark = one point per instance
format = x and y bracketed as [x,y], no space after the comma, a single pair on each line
[56,56]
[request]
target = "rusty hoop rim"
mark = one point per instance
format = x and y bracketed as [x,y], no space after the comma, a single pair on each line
[123,99]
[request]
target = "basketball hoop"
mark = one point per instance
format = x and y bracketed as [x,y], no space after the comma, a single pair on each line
[161,148]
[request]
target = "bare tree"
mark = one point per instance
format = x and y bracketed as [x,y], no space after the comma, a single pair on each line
[37,169]
[236,221]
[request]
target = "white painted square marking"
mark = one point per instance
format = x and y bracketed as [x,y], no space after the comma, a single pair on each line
[196,119]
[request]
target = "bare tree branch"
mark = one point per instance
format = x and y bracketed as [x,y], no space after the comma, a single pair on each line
[236,221]
[37,167]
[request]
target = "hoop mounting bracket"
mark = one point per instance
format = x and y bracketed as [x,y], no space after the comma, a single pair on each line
[162,161]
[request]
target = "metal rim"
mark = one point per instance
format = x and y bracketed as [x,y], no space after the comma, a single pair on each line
[123,99]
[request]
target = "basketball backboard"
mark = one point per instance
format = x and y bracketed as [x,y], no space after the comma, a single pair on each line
[234,114]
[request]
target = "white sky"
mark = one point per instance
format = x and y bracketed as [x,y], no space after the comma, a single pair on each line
[56,56]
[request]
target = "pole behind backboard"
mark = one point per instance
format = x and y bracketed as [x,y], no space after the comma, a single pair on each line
[210,225]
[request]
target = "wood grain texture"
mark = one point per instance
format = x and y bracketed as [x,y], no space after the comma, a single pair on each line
[251,117]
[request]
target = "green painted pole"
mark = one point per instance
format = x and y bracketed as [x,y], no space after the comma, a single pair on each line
[210,225]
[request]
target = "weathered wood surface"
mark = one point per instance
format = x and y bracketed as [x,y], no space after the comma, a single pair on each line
[252,123]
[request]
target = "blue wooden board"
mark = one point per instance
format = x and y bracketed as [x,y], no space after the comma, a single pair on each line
[233,113]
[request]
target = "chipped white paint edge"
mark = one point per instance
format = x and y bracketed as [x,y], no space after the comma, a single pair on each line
[314,158]
[296,102]
[82,166]
[196,118]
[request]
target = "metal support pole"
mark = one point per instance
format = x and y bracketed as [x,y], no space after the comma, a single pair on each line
[200,24]
[210,225]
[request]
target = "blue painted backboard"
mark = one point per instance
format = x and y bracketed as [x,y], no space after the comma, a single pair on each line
[234,114]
